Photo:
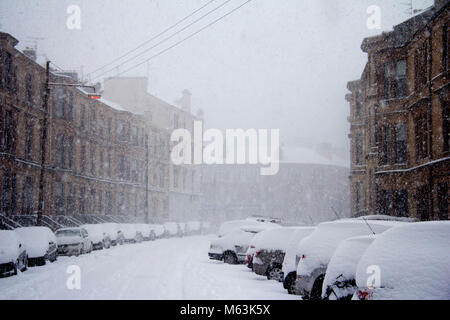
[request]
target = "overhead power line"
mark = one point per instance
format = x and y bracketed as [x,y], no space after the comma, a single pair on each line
[183,40]
[154,37]
[165,39]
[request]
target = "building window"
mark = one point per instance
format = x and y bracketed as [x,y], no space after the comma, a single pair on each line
[83,159]
[400,79]
[135,135]
[70,205]
[442,201]
[121,131]
[420,66]
[387,81]
[109,127]
[445,53]
[59,151]
[60,101]
[359,196]
[9,71]
[358,149]
[83,117]
[27,196]
[109,203]
[69,153]
[92,160]
[82,200]
[423,203]
[421,137]
[10,132]
[101,164]
[400,143]
[6,192]
[70,107]
[93,120]
[93,202]
[59,198]
[29,88]
[358,104]
[100,202]
[401,203]
[28,140]
[100,125]
[446,126]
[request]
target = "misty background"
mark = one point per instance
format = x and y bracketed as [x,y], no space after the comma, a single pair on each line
[271,64]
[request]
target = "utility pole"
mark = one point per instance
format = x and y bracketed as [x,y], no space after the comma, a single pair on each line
[43,145]
[146,179]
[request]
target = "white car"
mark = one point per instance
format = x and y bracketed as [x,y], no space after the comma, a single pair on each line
[193,227]
[232,248]
[114,231]
[99,237]
[40,244]
[146,231]
[409,262]
[130,233]
[289,267]
[316,250]
[268,248]
[339,282]
[172,229]
[229,226]
[73,241]
[13,255]
[158,230]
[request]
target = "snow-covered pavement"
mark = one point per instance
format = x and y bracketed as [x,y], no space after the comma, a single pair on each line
[176,268]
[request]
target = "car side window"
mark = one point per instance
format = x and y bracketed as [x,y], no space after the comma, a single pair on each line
[84,233]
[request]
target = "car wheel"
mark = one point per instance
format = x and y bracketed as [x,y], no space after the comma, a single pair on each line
[80,250]
[275,273]
[230,258]
[316,291]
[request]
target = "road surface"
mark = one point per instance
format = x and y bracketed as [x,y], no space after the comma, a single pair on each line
[176,268]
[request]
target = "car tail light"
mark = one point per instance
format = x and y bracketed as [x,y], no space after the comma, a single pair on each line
[252,247]
[247,261]
[257,253]
[364,294]
[299,277]
[303,256]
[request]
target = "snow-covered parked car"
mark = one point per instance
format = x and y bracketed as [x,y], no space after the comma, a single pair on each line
[183,228]
[99,237]
[233,247]
[171,229]
[232,225]
[130,233]
[339,282]
[269,249]
[13,255]
[289,266]
[158,230]
[146,231]
[193,227]
[316,250]
[73,241]
[40,244]
[408,262]
[114,231]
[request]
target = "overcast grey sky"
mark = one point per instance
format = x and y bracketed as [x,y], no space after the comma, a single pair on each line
[272,64]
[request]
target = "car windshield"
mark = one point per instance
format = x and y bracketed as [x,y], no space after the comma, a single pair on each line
[67,233]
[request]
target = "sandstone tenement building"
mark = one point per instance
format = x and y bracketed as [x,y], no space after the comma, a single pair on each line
[400,121]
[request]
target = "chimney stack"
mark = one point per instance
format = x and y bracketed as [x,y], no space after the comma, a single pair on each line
[186,101]
[30,53]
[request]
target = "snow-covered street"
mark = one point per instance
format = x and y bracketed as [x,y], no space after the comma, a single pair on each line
[176,268]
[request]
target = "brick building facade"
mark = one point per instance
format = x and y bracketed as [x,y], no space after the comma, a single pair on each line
[96,154]
[400,122]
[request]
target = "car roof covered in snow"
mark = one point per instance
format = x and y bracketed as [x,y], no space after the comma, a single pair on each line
[321,244]
[414,262]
